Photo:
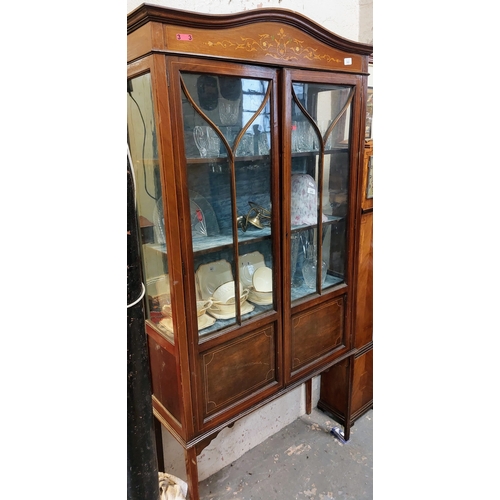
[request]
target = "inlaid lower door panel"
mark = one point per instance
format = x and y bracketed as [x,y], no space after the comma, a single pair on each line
[237,369]
[317,332]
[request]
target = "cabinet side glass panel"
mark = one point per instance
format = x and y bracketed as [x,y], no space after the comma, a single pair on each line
[226,123]
[141,134]
[320,139]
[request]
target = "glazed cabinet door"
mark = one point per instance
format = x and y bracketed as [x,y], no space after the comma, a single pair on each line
[225,117]
[142,142]
[321,127]
[143,137]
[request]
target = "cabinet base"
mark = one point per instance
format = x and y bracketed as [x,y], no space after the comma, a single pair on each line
[338,417]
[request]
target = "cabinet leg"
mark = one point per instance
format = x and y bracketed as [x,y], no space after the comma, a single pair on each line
[159,445]
[348,399]
[350,377]
[192,473]
[308,384]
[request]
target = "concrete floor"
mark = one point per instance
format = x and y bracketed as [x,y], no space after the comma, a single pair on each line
[302,461]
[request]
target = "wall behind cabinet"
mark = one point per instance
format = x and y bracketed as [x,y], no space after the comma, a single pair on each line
[351,19]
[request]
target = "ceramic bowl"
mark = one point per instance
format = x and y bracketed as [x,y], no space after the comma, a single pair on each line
[225,293]
[228,308]
[263,279]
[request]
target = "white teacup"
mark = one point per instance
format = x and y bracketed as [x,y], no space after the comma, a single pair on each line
[202,306]
[230,307]
[225,293]
[262,279]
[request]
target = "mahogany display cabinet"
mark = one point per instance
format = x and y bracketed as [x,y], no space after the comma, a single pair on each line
[246,133]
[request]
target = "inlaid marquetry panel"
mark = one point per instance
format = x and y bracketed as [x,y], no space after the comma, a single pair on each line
[266,42]
[235,370]
[317,332]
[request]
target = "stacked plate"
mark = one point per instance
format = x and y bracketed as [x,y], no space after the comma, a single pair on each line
[204,320]
[255,275]
[215,282]
[224,301]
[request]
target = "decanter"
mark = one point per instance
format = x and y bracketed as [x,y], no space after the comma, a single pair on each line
[310,266]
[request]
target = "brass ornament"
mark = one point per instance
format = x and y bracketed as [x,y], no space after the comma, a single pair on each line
[257,216]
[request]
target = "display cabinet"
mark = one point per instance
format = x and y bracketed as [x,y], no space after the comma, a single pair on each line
[246,133]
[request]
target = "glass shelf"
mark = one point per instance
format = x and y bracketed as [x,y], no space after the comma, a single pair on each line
[302,291]
[220,242]
[223,323]
[298,154]
[223,159]
[331,219]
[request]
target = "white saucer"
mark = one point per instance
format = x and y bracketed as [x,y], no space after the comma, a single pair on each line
[245,309]
[204,321]
[260,300]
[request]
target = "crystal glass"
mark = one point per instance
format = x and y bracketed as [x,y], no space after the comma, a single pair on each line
[302,136]
[295,253]
[207,141]
[310,266]
[229,111]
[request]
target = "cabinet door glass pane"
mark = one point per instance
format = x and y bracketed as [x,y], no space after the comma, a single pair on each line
[143,151]
[320,140]
[227,141]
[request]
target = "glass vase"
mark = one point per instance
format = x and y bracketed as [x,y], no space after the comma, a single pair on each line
[310,266]
[296,280]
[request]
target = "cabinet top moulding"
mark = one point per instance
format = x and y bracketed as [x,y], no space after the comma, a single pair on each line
[280,37]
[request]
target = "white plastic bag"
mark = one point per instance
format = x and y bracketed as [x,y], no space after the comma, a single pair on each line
[171,487]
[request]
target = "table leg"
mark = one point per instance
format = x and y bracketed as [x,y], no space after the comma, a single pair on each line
[308,384]
[192,473]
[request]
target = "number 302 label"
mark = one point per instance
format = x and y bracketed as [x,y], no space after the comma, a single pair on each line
[184,37]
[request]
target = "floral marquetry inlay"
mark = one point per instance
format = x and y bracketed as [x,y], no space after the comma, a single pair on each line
[267,42]
[279,46]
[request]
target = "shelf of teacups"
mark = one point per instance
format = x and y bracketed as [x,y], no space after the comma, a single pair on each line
[222,324]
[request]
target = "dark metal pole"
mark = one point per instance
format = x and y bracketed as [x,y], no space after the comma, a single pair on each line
[142,464]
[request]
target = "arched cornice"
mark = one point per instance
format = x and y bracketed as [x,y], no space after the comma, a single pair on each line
[147,12]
